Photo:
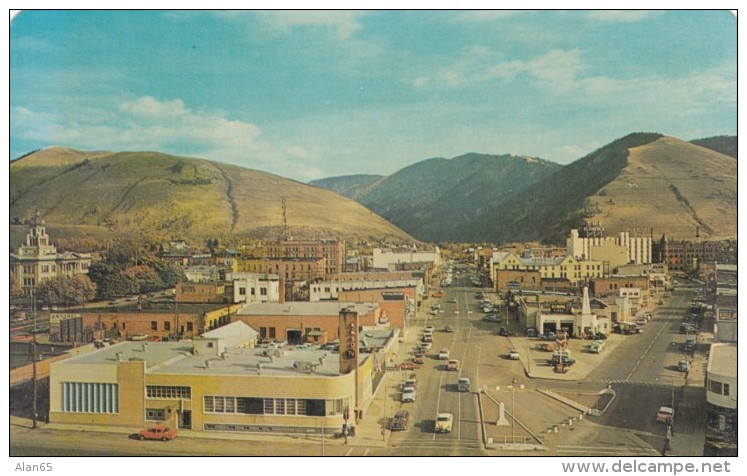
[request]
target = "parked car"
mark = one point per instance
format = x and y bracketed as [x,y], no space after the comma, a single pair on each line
[427,337]
[493,318]
[451,300]
[438,294]
[448,328]
[158,432]
[408,394]
[430,328]
[425,346]
[531,332]
[503,332]
[410,382]
[400,421]
[443,354]
[419,358]
[689,343]
[665,414]
[597,346]
[463,385]
[548,336]
[514,354]
[409,366]
[444,422]
[452,365]
[683,366]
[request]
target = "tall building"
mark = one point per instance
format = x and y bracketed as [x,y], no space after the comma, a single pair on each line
[637,249]
[333,252]
[37,259]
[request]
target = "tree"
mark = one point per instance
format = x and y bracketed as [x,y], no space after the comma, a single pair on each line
[15,290]
[82,289]
[170,274]
[144,278]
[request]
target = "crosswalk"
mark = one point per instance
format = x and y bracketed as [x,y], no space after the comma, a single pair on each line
[607,450]
[631,382]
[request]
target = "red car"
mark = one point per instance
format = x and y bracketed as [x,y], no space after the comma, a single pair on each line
[409,366]
[158,432]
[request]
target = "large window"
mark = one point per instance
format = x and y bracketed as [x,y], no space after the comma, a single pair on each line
[83,397]
[264,406]
[164,391]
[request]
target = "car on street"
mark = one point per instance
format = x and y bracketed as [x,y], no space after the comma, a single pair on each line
[419,358]
[157,432]
[513,354]
[448,328]
[683,366]
[425,346]
[408,394]
[597,346]
[548,336]
[410,382]
[400,421]
[438,294]
[493,318]
[444,422]
[503,332]
[451,300]
[452,365]
[665,414]
[689,343]
[443,354]
[531,332]
[463,385]
[427,337]
[409,366]
[430,328]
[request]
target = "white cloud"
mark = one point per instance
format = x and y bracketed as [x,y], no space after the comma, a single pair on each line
[343,23]
[620,16]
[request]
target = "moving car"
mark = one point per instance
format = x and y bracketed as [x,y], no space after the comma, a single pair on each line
[408,394]
[449,328]
[597,346]
[443,354]
[665,414]
[493,318]
[400,421]
[463,384]
[514,354]
[444,422]
[452,365]
[158,432]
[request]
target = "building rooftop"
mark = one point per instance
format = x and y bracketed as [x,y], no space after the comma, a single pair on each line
[178,358]
[159,307]
[234,334]
[723,360]
[321,308]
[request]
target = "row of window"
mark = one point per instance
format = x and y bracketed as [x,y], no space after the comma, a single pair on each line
[265,406]
[168,391]
[167,326]
[720,388]
[252,291]
[82,397]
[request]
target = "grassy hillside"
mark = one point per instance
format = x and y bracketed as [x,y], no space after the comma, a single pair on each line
[159,196]
[675,187]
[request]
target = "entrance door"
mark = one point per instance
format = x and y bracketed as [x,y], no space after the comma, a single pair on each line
[185,419]
[293,336]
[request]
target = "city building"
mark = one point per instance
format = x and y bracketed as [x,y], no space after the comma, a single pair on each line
[331,251]
[219,384]
[688,255]
[254,287]
[37,259]
[622,249]
[389,259]
[571,271]
[209,292]
[721,401]
[302,322]
[290,269]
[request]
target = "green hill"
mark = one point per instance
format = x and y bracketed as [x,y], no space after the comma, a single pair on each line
[726,145]
[160,196]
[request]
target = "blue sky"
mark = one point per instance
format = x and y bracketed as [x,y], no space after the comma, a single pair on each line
[314,94]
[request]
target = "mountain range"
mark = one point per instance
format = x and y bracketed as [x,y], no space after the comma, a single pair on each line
[642,182]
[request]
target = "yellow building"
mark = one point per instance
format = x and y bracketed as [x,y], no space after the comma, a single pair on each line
[215,384]
[575,271]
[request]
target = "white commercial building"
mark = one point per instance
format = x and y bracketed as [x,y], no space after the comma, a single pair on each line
[638,248]
[388,258]
[255,287]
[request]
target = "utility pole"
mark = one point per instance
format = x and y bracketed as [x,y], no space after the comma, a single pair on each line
[33,361]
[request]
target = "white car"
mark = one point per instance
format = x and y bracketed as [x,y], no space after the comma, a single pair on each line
[514,354]
[443,354]
[408,394]
[665,415]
